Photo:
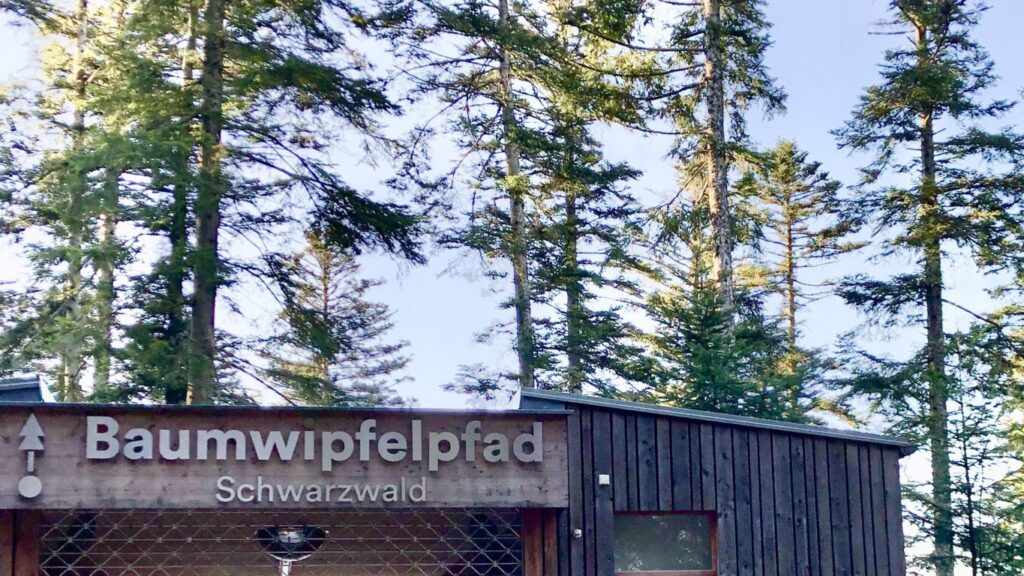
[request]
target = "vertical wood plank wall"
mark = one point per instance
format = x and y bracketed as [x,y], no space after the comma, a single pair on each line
[786,504]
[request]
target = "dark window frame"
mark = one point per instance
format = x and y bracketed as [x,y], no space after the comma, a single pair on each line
[712,517]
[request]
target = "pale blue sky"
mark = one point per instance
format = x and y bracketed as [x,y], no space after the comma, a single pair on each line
[824,55]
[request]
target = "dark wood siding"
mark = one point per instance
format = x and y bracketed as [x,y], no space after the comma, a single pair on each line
[786,504]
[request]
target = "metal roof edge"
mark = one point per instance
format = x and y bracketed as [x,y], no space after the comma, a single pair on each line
[19,383]
[254,408]
[906,448]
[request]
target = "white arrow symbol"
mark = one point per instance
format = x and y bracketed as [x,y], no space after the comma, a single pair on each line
[31,441]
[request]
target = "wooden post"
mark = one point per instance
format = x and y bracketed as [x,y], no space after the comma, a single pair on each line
[6,542]
[533,543]
[26,543]
[549,522]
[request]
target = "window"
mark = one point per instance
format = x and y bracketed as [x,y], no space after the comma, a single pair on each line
[665,544]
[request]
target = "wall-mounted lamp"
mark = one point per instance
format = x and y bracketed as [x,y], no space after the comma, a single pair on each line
[288,544]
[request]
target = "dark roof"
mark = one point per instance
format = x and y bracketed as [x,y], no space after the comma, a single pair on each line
[20,389]
[905,447]
[73,407]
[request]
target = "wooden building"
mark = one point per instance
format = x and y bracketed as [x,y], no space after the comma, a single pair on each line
[781,499]
[567,485]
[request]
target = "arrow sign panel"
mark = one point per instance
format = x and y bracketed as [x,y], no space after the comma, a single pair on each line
[31,434]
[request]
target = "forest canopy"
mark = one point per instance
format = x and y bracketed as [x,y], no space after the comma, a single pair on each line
[196,196]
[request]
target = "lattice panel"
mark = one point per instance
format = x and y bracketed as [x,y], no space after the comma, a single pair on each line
[433,542]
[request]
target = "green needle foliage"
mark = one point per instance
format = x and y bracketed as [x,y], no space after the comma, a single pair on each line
[68,176]
[522,93]
[719,49]
[485,65]
[332,351]
[277,82]
[185,130]
[923,123]
[798,204]
[581,262]
[735,361]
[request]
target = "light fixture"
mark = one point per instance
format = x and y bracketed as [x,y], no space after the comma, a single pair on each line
[290,544]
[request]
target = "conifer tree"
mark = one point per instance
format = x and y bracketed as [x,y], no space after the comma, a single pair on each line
[711,71]
[334,349]
[981,373]
[282,96]
[704,355]
[162,97]
[800,228]
[150,142]
[919,122]
[133,125]
[117,157]
[582,262]
[60,201]
[73,185]
[481,61]
[582,256]
[526,87]
[210,188]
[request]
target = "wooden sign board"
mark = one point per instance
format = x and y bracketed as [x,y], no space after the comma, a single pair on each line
[82,456]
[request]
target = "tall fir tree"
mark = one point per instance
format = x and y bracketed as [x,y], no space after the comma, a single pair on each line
[713,72]
[333,350]
[294,87]
[582,257]
[981,372]
[709,72]
[704,355]
[707,75]
[156,352]
[923,123]
[524,91]
[481,62]
[65,200]
[800,228]
[582,263]
[141,101]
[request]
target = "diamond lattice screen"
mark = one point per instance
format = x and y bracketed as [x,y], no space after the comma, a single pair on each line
[435,542]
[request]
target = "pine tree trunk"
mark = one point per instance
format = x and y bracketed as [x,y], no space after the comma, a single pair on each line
[715,142]
[938,387]
[325,262]
[970,492]
[177,234]
[105,293]
[517,215]
[72,361]
[206,265]
[573,298]
[790,279]
[176,319]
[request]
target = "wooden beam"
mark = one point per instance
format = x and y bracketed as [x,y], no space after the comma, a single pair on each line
[26,543]
[549,519]
[6,542]
[533,543]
